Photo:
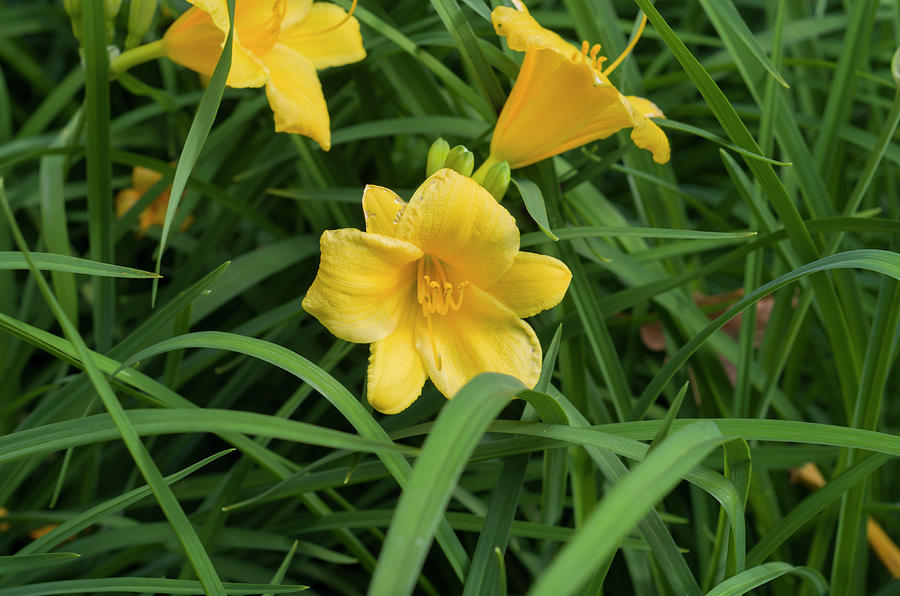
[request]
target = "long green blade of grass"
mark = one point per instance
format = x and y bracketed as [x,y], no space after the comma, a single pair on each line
[444,454]
[99,428]
[139,585]
[100,206]
[624,505]
[331,389]
[76,524]
[57,262]
[200,127]
[757,576]
[167,501]
[884,262]
[16,563]
[53,214]
[847,358]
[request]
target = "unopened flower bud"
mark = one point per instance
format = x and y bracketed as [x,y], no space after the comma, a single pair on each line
[111,10]
[73,9]
[437,155]
[460,159]
[140,16]
[496,181]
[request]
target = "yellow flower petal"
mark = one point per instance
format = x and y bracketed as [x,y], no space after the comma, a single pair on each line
[195,41]
[324,35]
[396,373]
[523,33]
[551,104]
[216,9]
[362,285]
[143,178]
[645,107]
[483,336]
[645,133]
[452,218]
[258,23]
[125,198]
[382,209]
[155,213]
[153,216]
[634,112]
[534,283]
[295,12]
[296,96]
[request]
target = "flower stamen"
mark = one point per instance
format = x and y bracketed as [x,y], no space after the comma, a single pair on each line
[590,54]
[436,295]
[339,23]
[628,48]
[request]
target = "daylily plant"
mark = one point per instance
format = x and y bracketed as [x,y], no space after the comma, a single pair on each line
[277,43]
[563,98]
[438,286]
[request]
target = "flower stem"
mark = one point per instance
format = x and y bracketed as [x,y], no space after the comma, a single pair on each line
[134,56]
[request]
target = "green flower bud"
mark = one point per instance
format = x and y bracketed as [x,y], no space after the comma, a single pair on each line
[73,9]
[140,16]
[460,159]
[437,155]
[111,10]
[496,181]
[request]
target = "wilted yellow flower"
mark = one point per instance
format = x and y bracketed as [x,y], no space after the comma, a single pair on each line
[438,287]
[277,43]
[809,476]
[563,99]
[155,214]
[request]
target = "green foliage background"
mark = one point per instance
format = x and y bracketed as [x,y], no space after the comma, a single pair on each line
[115,413]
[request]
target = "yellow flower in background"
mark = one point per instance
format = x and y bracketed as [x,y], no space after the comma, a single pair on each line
[438,286]
[563,99]
[155,214]
[277,43]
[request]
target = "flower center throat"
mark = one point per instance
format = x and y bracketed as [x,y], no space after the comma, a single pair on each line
[436,294]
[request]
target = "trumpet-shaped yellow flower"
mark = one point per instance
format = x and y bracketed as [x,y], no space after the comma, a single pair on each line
[155,214]
[438,286]
[563,98]
[277,43]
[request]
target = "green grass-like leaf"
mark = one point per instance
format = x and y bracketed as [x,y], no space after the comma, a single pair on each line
[55,262]
[13,564]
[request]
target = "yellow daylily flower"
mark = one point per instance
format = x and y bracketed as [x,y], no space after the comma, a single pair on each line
[438,286]
[563,99]
[277,43]
[155,214]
